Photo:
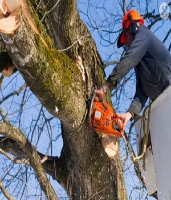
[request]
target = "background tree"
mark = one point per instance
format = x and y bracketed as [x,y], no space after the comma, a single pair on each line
[47,100]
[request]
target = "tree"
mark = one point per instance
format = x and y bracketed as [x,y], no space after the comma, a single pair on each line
[57,57]
[62,82]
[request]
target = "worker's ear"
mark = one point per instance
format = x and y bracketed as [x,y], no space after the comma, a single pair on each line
[133,27]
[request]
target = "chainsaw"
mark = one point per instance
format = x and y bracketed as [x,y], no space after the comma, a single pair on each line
[102,118]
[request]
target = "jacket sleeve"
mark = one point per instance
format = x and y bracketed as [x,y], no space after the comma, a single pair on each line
[139,99]
[132,57]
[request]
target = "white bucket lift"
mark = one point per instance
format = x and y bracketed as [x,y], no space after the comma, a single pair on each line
[157,172]
[10,15]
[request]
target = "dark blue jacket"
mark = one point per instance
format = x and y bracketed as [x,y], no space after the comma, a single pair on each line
[152,63]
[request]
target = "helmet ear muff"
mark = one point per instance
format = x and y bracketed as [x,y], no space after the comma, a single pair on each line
[133,27]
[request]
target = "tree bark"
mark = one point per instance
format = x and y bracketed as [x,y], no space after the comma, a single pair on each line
[58,81]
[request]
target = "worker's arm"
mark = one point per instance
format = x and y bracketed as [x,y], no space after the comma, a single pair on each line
[132,57]
[135,108]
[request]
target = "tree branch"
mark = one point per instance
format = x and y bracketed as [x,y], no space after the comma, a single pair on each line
[111,63]
[53,165]
[17,92]
[15,160]
[15,134]
[4,191]
[167,35]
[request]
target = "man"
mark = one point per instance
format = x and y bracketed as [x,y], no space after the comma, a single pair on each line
[150,60]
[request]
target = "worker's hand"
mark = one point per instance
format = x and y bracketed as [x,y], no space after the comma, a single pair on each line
[101,92]
[121,120]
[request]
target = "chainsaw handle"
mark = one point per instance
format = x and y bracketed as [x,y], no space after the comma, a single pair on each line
[91,105]
[115,119]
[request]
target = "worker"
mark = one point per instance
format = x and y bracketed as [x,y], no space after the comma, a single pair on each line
[150,59]
[7,67]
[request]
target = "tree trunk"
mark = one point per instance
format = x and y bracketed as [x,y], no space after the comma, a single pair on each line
[63,81]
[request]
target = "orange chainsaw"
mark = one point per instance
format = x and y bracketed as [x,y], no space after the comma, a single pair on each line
[102,118]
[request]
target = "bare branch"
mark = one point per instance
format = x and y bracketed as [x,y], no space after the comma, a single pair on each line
[15,160]
[44,159]
[50,10]
[26,185]
[10,146]
[168,33]
[17,92]
[4,191]
[15,134]
[111,63]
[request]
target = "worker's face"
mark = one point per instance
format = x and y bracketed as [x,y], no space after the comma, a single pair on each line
[128,37]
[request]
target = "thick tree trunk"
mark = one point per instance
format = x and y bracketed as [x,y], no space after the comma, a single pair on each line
[83,169]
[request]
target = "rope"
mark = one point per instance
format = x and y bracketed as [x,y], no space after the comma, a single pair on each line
[146,129]
[146,124]
[132,156]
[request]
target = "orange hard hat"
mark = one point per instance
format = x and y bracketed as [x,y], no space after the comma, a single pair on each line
[135,16]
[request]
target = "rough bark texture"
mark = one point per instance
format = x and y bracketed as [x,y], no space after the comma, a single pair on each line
[83,169]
